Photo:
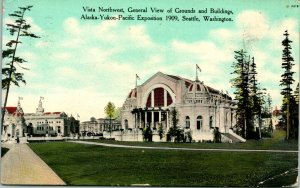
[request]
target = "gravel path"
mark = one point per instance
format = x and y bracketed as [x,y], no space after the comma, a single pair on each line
[21,166]
[185,149]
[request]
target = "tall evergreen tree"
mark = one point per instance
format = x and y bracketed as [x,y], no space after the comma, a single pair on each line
[241,84]
[286,82]
[255,97]
[257,100]
[249,96]
[296,94]
[20,28]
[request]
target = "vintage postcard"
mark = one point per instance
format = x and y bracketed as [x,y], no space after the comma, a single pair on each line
[188,93]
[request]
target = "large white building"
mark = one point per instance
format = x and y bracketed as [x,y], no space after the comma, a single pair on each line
[201,109]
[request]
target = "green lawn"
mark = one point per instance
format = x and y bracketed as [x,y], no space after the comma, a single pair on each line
[79,164]
[277,143]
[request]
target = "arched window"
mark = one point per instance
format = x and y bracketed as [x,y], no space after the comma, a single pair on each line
[187,122]
[199,122]
[126,124]
[159,98]
[211,122]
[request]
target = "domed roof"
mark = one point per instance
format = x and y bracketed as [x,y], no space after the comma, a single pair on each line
[197,87]
[132,93]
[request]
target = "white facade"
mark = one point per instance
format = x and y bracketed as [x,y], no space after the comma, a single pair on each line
[200,107]
[14,123]
[19,124]
[50,123]
[98,126]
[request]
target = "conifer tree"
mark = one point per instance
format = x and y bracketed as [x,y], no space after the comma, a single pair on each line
[249,96]
[286,82]
[296,94]
[241,84]
[20,28]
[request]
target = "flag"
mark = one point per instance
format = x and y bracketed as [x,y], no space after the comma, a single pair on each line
[137,77]
[20,98]
[42,98]
[198,67]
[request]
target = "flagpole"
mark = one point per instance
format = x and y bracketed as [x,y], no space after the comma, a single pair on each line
[196,73]
[136,78]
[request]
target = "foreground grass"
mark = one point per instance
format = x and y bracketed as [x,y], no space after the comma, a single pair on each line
[79,164]
[277,142]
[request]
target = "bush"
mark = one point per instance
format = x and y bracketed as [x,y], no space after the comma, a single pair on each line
[188,137]
[217,135]
[160,132]
[147,133]
[267,132]
[177,133]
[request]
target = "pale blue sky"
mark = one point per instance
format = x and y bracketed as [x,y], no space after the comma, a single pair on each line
[78,66]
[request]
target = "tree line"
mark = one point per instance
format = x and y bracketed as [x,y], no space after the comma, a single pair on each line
[253,103]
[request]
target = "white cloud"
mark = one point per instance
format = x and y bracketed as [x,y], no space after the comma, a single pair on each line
[222,34]
[289,24]
[42,44]
[253,24]
[69,101]
[71,26]
[8,20]
[138,35]
[67,72]
[62,56]
[29,56]
[103,63]
[36,29]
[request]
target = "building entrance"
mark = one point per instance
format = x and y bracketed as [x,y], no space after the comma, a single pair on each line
[151,117]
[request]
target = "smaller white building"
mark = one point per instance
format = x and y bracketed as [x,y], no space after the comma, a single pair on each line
[14,123]
[98,126]
[39,124]
[44,123]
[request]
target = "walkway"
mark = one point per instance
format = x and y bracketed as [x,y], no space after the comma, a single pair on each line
[20,166]
[185,149]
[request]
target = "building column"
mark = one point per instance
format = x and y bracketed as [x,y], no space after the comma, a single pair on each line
[152,119]
[140,120]
[152,98]
[165,98]
[167,118]
[135,120]
[145,118]
[159,117]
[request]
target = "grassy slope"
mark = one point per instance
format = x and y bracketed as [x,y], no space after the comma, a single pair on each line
[80,164]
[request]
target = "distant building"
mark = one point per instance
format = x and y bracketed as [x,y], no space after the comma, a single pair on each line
[50,123]
[14,123]
[97,126]
[276,117]
[40,123]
